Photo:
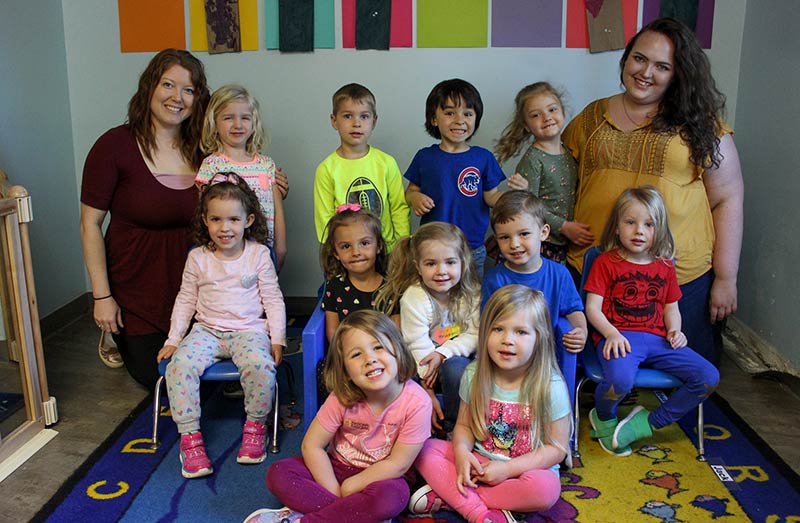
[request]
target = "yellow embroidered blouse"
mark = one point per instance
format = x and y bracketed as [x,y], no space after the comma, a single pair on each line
[611,160]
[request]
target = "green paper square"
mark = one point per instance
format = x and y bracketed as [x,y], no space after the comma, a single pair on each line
[452,23]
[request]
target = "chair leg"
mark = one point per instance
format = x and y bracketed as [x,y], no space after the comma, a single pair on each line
[575,450]
[701,447]
[275,420]
[154,444]
[290,382]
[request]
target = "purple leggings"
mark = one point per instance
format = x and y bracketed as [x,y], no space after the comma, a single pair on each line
[292,483]
[531,491]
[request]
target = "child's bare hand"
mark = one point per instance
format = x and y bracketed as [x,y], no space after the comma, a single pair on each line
[282,182]
[518,182]
[421,203]
[348,487]
[432,361]
[616,345]
[574,340]
[676,339]
[277,353]
[494,472]
[578,233]
[437,415]
[166,352]
[467,467]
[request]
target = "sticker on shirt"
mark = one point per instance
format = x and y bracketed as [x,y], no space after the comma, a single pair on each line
[363,192]
[249,280]
[509,429]
[469,180]
[440,335]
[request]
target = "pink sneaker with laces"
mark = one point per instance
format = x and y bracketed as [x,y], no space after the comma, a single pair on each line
[194,461]
[254,443]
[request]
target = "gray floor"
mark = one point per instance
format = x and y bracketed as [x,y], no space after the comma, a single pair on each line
[93,400]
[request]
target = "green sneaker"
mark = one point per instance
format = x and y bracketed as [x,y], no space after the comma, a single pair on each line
[605,444]
[635,426]
[601,428]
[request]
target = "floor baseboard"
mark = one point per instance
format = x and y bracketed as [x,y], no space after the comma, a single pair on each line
[65,315]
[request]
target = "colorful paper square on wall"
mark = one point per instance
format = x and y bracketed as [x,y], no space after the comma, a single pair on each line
[452,23]
[151,25]
[323,24]
[526,23]
[702,11]
[248,25]
[578,28]
[400,31]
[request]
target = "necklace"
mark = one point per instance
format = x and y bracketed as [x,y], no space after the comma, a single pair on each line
[628,115]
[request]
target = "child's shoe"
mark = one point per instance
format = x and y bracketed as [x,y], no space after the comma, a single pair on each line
[636,425]
[194,460]
[254,443]
[497,516]
[425,501]
[601,428]
[280,515]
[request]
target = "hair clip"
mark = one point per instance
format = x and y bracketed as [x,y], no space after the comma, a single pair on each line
[224,177]
[348,207]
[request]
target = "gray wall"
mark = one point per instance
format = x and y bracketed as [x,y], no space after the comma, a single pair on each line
[768,109]
[36,148]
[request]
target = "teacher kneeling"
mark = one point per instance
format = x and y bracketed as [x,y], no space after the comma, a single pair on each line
[666,130]
[142,173]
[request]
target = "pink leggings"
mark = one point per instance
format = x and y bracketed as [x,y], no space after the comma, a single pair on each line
[532,491]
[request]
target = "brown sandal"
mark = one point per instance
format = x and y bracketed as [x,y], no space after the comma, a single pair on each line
[109,354]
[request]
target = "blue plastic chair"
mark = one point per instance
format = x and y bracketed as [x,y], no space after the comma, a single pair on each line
[314,342]
[645,378]
[224,370]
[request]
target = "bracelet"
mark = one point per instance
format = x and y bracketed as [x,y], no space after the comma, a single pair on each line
[103,298]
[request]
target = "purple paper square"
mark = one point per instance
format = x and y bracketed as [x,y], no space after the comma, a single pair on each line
[526,23]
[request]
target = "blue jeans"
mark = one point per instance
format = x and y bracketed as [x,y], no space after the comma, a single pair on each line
[705,337]
[450,378]
[699,377]
[479,260]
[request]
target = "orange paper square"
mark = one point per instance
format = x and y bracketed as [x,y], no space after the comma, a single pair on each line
[151,25]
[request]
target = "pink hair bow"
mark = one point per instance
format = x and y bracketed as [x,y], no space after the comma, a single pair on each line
[348,207]
[224,177]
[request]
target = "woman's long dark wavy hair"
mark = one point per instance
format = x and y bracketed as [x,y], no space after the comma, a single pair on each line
[233,189]
[692,105]
[140,119]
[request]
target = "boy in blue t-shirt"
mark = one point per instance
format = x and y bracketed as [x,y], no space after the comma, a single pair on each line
[451,181]
[518,221]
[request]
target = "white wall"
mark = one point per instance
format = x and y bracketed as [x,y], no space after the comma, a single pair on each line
[295,91]
[766,138]
[36,148]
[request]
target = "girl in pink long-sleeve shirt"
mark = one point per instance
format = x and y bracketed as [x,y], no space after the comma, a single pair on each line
[229,285]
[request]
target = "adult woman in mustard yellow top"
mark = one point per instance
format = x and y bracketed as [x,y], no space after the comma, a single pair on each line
[666,129]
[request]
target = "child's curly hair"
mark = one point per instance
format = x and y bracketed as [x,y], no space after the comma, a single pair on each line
[327,252]
[228,186]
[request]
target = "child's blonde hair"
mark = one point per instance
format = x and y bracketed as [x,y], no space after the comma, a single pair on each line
[516,132]
[219,100]
[663,247]
[384,330]
[327,259]
[540,369]
[403,273]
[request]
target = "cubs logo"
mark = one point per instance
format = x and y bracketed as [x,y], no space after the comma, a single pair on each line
[468,181]
[363,192]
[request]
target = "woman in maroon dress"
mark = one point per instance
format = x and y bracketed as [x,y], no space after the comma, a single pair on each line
[142,173]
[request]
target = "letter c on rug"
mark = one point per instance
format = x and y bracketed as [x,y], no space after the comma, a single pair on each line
[92,490]
[130,446]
